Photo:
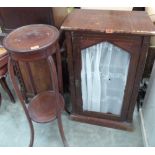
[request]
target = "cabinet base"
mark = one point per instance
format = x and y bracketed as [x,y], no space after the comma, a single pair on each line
[103,122]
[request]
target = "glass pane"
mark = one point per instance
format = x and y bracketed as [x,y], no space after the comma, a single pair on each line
[103,77]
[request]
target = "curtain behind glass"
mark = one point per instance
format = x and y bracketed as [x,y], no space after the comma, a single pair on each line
[103,77]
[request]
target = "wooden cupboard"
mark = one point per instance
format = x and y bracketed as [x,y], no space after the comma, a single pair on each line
[106,56]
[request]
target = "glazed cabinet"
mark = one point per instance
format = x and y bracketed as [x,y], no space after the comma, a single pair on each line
[106,56]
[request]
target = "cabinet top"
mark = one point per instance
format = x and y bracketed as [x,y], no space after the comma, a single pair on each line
[108,21]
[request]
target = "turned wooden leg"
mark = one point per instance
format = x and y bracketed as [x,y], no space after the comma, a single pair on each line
[61,130]
[15,85]
[6,88]
[32,134]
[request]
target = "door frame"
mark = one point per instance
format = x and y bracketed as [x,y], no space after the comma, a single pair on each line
[131,44]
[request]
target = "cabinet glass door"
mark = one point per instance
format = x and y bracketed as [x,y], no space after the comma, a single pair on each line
[103,77]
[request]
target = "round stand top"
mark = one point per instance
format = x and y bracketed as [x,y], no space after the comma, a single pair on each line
[31,38]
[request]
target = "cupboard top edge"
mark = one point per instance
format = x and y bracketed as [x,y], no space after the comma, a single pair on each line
[109,21]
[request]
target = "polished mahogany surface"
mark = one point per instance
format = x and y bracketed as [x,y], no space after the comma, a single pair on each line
[128,30]
[29,46]
[109,21]
[28,42]
[3,73]
[43,107]
[31,37]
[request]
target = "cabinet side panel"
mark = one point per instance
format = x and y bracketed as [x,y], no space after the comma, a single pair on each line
[71,69]
[139,73]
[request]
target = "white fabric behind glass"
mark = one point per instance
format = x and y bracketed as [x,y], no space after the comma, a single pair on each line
[103,77]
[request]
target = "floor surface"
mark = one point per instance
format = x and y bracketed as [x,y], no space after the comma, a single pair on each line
[14,131]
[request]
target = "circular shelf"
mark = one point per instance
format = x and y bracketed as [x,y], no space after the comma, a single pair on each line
[43,107]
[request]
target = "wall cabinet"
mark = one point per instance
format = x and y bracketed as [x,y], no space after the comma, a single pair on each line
[106,56]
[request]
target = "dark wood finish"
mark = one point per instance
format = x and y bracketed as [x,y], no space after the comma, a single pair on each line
[14,17]
[35,76]
[37,42]
[126,22]
[42,107]
[138,77]
[22,101]
[6,88]
[149,62]
[129,44]
[3,73]
[128,30]
[102,122]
